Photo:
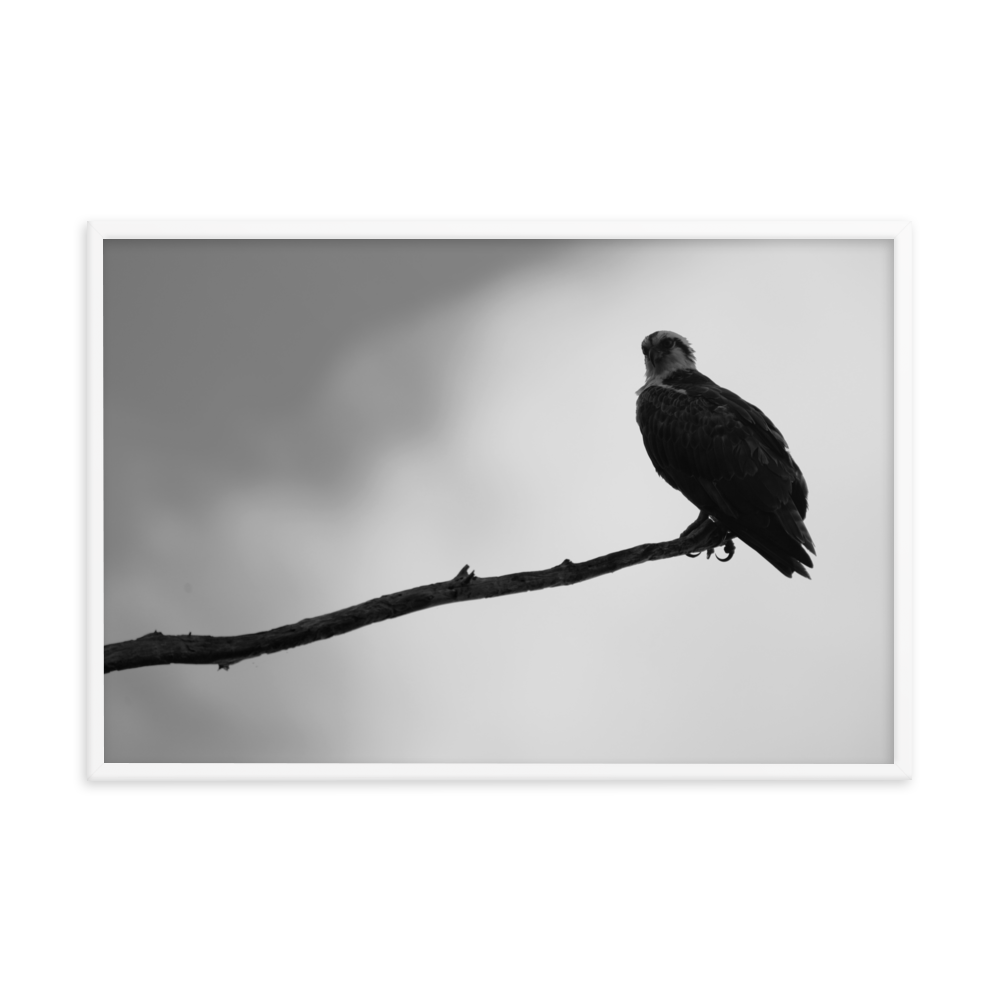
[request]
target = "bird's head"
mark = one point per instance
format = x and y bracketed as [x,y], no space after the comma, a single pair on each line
[666,352]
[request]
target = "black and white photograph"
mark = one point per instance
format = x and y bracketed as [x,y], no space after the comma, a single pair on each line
[498,501]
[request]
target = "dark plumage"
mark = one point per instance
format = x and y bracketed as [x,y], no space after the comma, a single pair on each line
[723,454]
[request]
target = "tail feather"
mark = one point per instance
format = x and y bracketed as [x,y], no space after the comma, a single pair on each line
[781,561]
[791,521]
[781,540]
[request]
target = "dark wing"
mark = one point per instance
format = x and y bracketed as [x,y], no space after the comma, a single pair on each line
[729,460]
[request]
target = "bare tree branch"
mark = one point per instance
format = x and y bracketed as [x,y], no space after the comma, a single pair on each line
[155,648]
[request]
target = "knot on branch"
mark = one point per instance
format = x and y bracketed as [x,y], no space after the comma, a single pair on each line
[462,580]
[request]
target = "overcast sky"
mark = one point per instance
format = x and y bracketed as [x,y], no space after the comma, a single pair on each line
[295,426]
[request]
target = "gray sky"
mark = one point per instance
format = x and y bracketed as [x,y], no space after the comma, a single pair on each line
[296,426]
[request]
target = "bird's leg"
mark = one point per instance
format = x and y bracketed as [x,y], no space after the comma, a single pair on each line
[696,524]
[706,533]
[694,528]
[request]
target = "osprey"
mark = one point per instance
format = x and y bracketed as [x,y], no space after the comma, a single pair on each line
[723,454]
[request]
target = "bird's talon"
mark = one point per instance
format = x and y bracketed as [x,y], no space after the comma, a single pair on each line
[730,550]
